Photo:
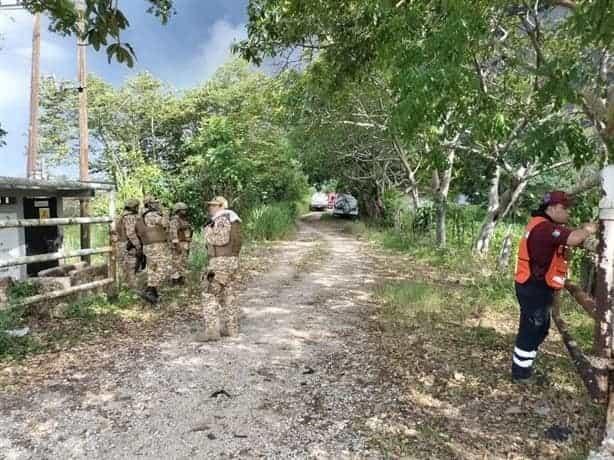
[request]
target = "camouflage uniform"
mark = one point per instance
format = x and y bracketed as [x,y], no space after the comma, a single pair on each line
[181,235]
[128,249]
[158,257]
[221,314]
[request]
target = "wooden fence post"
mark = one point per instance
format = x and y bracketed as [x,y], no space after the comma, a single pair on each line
[114,286]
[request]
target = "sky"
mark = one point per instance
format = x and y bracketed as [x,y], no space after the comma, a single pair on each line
[186,51]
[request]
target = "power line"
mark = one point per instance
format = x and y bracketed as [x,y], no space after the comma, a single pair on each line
[14,6]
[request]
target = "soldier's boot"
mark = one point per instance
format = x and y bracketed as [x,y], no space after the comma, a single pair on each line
[180,281]
[211,311]
[231,327]
[150,294]
[155,295]
[212,331]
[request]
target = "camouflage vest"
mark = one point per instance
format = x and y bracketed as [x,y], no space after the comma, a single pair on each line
[233,248]
[120,228]
[151,234]
[184,232]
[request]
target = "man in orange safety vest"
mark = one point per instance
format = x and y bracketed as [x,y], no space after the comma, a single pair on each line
[541,271]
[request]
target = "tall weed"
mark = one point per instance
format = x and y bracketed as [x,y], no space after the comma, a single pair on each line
[271,222]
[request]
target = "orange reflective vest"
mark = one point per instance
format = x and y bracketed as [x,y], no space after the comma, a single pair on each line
[557,272]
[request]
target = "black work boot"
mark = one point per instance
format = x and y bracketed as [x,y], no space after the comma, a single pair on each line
[149,295]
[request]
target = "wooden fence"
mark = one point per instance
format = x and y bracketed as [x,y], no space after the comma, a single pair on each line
[111,279]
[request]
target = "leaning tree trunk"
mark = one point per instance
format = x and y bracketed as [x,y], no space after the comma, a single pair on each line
[499,206]
[604,299]
[415,196]
[503,261]
[411,172]
[487,229]
[441,199]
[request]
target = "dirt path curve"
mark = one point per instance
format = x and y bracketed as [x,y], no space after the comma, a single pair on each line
[299,382]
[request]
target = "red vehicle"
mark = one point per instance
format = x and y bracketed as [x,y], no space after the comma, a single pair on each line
[332,196]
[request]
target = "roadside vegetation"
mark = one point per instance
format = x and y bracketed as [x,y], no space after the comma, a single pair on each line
[448,326]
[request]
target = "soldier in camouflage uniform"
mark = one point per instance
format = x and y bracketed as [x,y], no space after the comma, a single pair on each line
[128,243]
[152,228]
[181,236]
[223,238]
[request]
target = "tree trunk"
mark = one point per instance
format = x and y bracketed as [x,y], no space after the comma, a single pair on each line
[415,196]
[441,198]
[499,206]
[487,229]
[604,298]
[411,173]
[506,252]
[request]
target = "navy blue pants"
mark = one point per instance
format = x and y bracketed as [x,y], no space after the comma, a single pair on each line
[535,299]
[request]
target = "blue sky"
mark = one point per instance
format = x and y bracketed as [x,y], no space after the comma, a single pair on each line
[186,51]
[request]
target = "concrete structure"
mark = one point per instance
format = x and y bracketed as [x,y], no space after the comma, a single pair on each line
[28,199]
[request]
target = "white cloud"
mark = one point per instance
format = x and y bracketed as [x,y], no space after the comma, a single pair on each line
[50,52]
[16,53]
[14,87]
[15,22]
[216,50]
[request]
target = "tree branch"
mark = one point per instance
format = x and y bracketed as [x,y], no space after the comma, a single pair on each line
[593,370]
[552,167]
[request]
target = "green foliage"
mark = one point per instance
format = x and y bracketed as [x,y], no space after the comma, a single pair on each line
[89,307]
[12,318]
[239,148]
[271,222]
[22,289]
[226,137]
[198,253]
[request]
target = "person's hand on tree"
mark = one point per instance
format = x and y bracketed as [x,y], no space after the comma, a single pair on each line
[590,227]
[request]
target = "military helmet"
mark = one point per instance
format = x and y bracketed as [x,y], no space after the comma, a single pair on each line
[151,202]
[131,203]
[219,201]
[180,207]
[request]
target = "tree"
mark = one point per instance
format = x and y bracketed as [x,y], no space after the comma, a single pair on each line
[225,137]
[239,147]
[135,131]
[349,133]
[105,22]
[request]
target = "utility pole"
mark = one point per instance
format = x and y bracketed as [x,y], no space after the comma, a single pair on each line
[604,297]
[83,127]
[32,160]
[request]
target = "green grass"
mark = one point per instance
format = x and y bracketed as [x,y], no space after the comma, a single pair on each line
[198,253]
[22,289]
[271,222]
[356,228]
[99,238]
[404,301]
[90,307]
[80,318]
[483,287]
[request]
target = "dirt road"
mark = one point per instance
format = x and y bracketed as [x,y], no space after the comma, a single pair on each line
[298,382]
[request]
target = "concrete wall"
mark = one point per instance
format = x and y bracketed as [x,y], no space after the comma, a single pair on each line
[12,240]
